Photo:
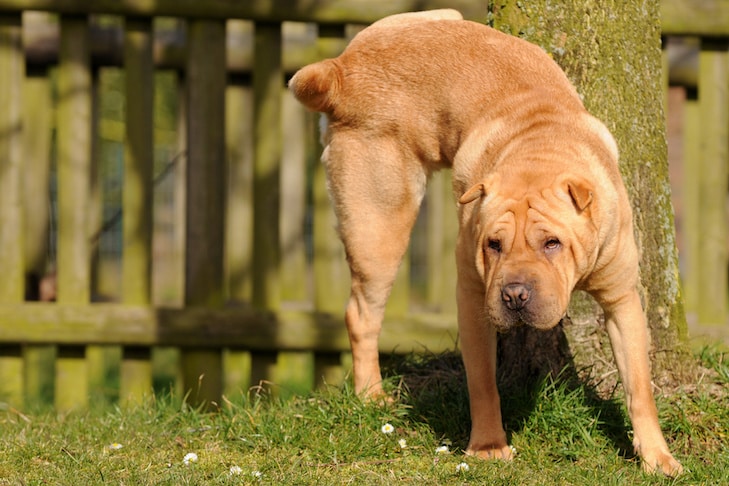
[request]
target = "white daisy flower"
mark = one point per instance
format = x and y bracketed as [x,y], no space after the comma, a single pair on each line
[189,458]
[462,467]
[442,449]
[235,471]
[402,443]
[115,446]
[387,428]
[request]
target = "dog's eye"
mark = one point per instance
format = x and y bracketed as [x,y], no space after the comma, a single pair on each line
[552,244]
[495,245]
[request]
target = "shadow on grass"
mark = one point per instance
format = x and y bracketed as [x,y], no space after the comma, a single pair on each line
[434,386]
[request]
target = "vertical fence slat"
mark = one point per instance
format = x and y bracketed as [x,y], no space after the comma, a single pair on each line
[267,82]
[714,108]
[331,273]
[239,206]
[267,140]
[138,162]
[138,196]
[691,200]
[239,152]
[180,192]
[294,280]
[74,128]
[36,157]
[442,231]
[37,120]
[205,208]
[12,73]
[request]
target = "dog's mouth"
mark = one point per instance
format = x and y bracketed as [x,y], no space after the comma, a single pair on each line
[508,320]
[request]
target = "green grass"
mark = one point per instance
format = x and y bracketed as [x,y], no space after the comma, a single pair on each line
[563,432]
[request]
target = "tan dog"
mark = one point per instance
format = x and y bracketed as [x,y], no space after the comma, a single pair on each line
[543,209]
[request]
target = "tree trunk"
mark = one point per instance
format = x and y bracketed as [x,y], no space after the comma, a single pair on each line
[611,52]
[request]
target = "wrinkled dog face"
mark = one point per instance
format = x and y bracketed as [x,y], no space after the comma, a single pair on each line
[529,255]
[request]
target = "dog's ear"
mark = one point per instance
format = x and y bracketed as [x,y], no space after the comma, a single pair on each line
[473,193]
[317,85]
[580,192]
[482,189]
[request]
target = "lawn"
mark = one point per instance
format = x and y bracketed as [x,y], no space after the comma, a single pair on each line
[563,433]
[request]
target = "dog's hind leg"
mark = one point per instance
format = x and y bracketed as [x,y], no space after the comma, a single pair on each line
[376,190]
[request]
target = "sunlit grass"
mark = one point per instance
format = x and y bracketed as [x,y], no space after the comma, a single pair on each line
[563,433]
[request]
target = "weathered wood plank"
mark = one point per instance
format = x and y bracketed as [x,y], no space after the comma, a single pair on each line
[245,328]
[137,198]
[295,281]
[331,272]
[267,85]
[137,192]
[12,367]
[689,17]
[714,171]
[135,375]
[239,206]
[74,128]
[442,233]
[38,377]
[74,116]
[37,123]
[267,139]
[12,72]
[692,201]
[12,283]
[72,380]
[205,233]
[322,11]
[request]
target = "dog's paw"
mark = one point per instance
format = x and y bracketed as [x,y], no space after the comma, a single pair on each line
[506,452]
[661,462]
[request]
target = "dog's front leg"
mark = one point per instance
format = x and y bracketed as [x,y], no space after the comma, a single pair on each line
[626,326]
[478,346]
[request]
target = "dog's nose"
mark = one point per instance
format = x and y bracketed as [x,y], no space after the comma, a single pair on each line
[515,296]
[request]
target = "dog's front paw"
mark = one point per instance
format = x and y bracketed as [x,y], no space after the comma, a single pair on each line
[506,452]
[659,461]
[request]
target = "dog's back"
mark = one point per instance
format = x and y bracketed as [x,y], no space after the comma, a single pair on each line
[429,71]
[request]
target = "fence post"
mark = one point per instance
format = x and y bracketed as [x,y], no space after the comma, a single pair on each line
[205,208]
[714,108]
[136,366]
[267,82]
[74,127]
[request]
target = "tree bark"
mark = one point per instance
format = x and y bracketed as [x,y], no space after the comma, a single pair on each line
[612,54]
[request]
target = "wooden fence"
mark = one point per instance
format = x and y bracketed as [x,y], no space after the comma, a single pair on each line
[260,271]
[251,289]
[700,65]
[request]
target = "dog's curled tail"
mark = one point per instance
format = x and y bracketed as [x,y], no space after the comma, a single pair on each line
[316,85]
